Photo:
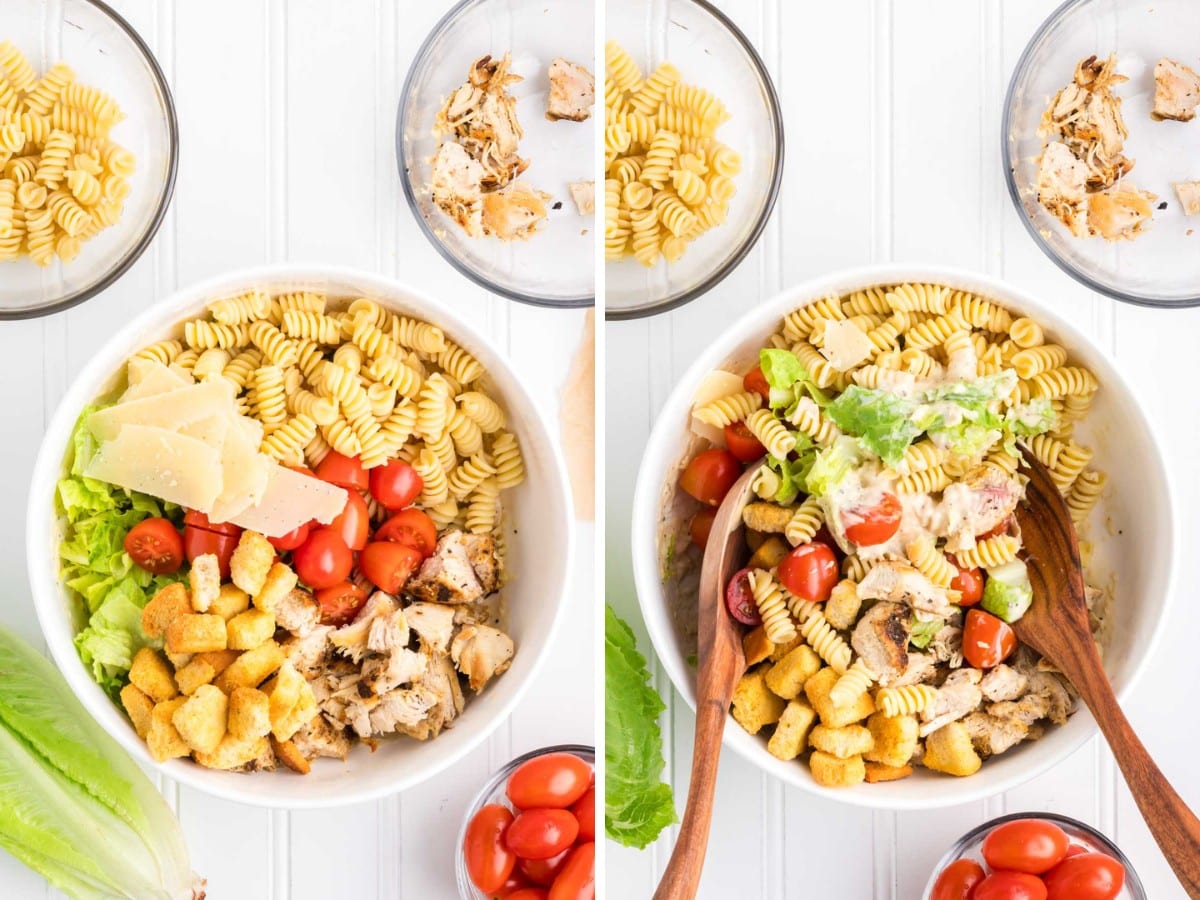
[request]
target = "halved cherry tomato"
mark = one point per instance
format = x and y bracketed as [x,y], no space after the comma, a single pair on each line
[742,444]
[584,810]
[489,861]
[701,526]
[958,880]
[968,582]
[340,603]
[1002,528]
[1010,886]
[412,528]
[543,871]
[155,545]
[197,519]
[199,541]
[1085,876]
[739,599]
[388,565]
[710,475]
[353,523]
[1026,845]
[396,484]
[810,572]
[550,781]
[987,641]
[292,539]
[541,833]
[577,880]
[323,560]
[344,471]
[873,525]
[756,381]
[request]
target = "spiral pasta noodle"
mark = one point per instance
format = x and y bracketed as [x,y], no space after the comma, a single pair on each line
[853,683]
[990,552]
[930,562]
[770,599]
[907,700]
[824,639]
[729,409]
[805,522]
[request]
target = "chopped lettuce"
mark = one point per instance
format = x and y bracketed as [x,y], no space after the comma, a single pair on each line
[831,465]
[883,422]
[924,632]
[793,473]
[788,380]
[1008,593]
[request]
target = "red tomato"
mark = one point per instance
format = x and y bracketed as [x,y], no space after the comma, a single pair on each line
[388,565]
[543,871]
[1086,876]
[739,599]
[528,893]
[1010,886]
[1026,845]
[585,813]
[742,444]
[303,470]
[756,381]
[577,880]
[987,641]
[958,880]
[198,519]
[340,603]
[489,861]
[516,882]
[1002,528]
[873,525]
[353,523]
[701,526]
[292,539]
[155,545]
[199,541]
[541,833]
[412,528]
[969,582]
[396,484]
[710,475]
[344,471]
[1076,850]
[553,781]
[810,572]
[323,560]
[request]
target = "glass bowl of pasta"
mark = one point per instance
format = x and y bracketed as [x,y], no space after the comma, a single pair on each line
[693,148]
[884,409]
[378,593]
[88,152]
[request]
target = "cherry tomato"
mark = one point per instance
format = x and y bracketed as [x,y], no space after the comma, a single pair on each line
[756,381]
[388,565]
[550,781]
[340,603]
[489,861]
[199,541]
[577,880]
[543,871]
[1026,845]
[958,880]
[412,528]
[1002,528]
[344,471]
[701,526]
[529,893]
[739,599]
[541,833]
[585,813]
[513,886]
[742,444]
[987,641]
[1010,886]
[197,519]
[1076,850]
[396,484]
[1085,876]
[155,545]
[323,560]
[810,572]
[710,475]
[292,539]
[353,523]
[873,525]
[968,582]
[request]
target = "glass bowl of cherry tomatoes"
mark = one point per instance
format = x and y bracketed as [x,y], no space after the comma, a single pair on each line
[1034,856]
[530,832]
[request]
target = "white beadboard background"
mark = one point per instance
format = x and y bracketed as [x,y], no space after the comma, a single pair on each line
[287,114]
[892,111]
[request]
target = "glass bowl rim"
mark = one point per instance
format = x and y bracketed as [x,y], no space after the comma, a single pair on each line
[1019,71]
[123,265]
[772,194]
[419,60]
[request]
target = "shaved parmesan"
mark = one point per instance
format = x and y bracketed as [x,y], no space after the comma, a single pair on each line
[245,471]
[147,377]
[291,499]
[171,410]
[846,346]
[162,463]
[713,386]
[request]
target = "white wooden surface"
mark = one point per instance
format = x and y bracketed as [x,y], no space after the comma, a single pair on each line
[287,115]
[892,111]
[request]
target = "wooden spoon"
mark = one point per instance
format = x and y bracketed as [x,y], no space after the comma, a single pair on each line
[1057,627]
[720,663]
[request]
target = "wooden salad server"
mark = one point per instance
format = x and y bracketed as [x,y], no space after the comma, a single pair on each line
[720,664]
[1057,627]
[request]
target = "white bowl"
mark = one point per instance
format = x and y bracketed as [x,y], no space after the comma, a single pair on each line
[539,557]
[1137,549]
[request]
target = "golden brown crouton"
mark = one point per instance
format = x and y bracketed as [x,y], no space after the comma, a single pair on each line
[251,561]
[830,771]
[287,753]
[163,608]
[230,601]
[818,688]
[786,678]
[753,703]
[843,605]
[284,691]
[766,517]
[769,554]
[895,739]
[756,647]
[196,633]
[233,752]
[791,734]
[151,674]
[843,742]
[139,707]
[877,772]
[162,740]
[220,660]
[177,660]
[247,630]
[297,717]
[249,713]
[201,719]
[779,651]
[194,674]
[949,750]
[252,668]
[205,581]
[278,584]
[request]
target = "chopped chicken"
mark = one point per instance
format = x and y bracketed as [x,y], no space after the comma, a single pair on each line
[1003,683]
[481,551]
[901,583]
[1120,214]
[309,652]
[448,575]
[921,668]
[380,615]
[958,695]
[1189,196]
[980,502]
[441,681]
[584,195]
[433,623]
[1062,187]
[1086,116]
[881,639]
[386,672]
[482,115]
[404,710]
[1050,687]
[513,212]
[572,91]
[320,738]
[480,652]
[1176,91]
[1025,711]
[992,735]
[457,187]
[946,646]
[297,612]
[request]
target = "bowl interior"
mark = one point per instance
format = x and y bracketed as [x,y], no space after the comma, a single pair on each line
[555,266]
[538,558]
[105,55]
[1131,533]
[710,53]
[1161,266]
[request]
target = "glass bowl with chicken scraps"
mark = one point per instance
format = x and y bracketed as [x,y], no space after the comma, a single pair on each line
[495,144]
[1099,142]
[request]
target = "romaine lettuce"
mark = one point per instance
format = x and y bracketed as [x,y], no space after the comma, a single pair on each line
[924,632]
[1008,593]
[831,465]
[881,420]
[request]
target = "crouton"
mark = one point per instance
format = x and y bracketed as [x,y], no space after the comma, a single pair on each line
[779,651]
[196,633]
[786,678]
[949,750]
[842,607]
[252,668]
[791,734]
[233,752]
[753,703]
[818,688]
[289,754]
[844,742]
[278,584]
[163,608]
[284,691]
[138,707]
[756,647]
[201,719]
[297,717]
[220,660]
[177,660]
[247,630]
[162,740]
[895,739]
[230,601]
[151,674]
[767,517]
[205,581]
[755,539]
[251,561]
[830,771]
[249,713]
[194,674]
[769,554]
[877,772]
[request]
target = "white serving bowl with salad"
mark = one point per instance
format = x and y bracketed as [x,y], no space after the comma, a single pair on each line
[538,550]
[1132,534]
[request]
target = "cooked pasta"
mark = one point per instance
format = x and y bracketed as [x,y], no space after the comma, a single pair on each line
[907,700]
[770,599]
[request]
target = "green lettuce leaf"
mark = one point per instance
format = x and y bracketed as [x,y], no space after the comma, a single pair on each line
[924,632]
[793,473]
[831,465]
[1008,593]
[881,421]
[788,380]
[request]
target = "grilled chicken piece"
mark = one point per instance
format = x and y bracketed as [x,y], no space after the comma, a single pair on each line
[481,551]
[1062,187]
[441,681]
[309,652]
[433,623]
[572,91]
[482,116]
[480,652]
[447,576]
[457,188]
[1051,688]
[991,735]
[899,582]
[380,619]
[404,710]
[881,639]
[513,212]
[297,612]
[1189,197]
[1086,116]
[921,668]
[386,672]
[946,645]
[958,696]
[1120,214]
[320,738]
[1176,91]
[1003,683]
[584,195]
[980,502]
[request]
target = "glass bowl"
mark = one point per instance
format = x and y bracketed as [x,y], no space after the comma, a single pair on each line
[555,266]
[1162,266]
[711,52]
[970,844]
[108,54]
[493,792]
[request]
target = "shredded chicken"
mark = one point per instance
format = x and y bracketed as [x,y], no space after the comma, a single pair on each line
[481,652]
[457,187]
[1086,116]
[320,738]
[308,652]
[1189,196]
[1003,683]
[572,91]
[958,696]
[433,623]
[513,213]
[921,668]
[1120,214]
[482,116]
[899,582]
[1176,91]
[992,735]
[1062,187]
[447,576]
[380,619]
